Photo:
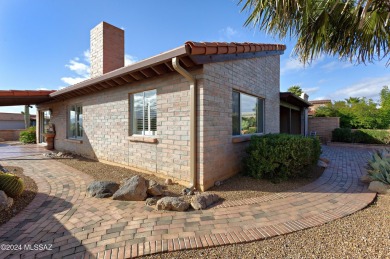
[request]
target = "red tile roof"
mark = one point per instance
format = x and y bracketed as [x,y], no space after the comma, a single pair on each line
[215,48]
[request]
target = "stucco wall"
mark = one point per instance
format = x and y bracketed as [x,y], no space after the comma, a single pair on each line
[220,158]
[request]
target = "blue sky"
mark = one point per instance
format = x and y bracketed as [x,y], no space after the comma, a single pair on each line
[44,44]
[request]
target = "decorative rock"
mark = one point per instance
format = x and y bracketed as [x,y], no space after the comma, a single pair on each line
[102,189]
[134,189]
[2,169]
[366,179]
[186,191]
[168,181]
[325,160]
[154,188]
[321,163]
[379,187]
[172,203]
[202,201]
[151,201]
[59,154]
[5,201]
[218,183]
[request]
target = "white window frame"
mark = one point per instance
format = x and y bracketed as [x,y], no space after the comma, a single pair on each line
[143,132]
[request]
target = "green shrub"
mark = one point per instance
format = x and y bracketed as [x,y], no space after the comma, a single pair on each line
[280,156]
[342,135]
[365,136]
[28,136]
[11,184]
[379,166]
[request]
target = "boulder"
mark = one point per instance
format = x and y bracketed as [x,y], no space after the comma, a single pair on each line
[102,189]
[366,178]
[168,181]
[151,201]
[172,203]
[5,201]
[154,188]
[379,187]
[133,189]
[321,163]
[204,200]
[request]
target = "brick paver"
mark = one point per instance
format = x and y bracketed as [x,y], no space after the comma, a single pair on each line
[81,227]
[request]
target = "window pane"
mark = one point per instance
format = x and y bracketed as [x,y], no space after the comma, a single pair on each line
[72,122]
[236,113]
[137,101]
[79,121]
[248,114]
[150,112]
[260,115]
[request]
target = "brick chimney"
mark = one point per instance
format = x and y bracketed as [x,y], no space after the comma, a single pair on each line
[107,49]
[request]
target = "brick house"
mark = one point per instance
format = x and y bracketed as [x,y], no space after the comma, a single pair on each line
[185,114]
[316,104]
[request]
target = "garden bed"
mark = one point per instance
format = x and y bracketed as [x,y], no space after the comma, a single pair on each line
[234,188]
[23,200]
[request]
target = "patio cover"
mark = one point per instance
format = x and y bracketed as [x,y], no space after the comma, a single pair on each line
[24,97]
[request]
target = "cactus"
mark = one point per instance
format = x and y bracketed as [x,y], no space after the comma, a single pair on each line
[379,166]
[11,184]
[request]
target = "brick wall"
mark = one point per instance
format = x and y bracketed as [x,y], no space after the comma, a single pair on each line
[106,127]
[219,158]
[10,135]
[324,126]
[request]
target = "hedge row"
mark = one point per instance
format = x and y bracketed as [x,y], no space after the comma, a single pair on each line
[365,136]
[280,156]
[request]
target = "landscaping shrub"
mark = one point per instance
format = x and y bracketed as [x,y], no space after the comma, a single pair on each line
[280,156]
[365,136]
[379,166]
[11,184]
[28,136]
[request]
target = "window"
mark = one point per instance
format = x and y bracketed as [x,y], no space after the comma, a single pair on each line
[144,113]
[75,129]
[247,114]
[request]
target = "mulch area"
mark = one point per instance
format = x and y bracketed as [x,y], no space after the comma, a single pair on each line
[23,200]
[234,188]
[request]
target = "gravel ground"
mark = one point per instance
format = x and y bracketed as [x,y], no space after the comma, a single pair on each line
[234,188]
[23,200]
[364,234]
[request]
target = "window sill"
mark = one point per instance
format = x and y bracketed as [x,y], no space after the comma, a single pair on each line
[76,141]
[244,138]
[145,139]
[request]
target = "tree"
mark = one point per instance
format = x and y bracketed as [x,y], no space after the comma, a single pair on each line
[351,29]
[295,89]
[385,105]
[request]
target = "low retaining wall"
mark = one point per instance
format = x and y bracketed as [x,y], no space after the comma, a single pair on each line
[10,135]
[323,126]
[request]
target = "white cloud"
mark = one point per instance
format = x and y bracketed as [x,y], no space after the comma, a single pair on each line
[129,59]
[368,87]
[42,88]
[227,34]
[82,68]
[311,90]
[294,65]
[336,65]
[16,109]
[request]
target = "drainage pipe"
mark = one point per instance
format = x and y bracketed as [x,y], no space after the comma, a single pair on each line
[193,126]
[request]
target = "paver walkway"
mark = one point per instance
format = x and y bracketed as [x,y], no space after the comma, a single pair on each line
[80,227]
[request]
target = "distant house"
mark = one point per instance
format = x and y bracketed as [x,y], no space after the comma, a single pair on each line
[10,121]
[185,114]
[316,104]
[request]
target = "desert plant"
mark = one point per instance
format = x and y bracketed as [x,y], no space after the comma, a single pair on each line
[379,166]
[11,184]
[280,156]
[28,136]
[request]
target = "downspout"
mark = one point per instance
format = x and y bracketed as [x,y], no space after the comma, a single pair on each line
[193,126]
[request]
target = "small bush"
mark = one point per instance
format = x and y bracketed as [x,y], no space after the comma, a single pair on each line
[365,136]
[11,184]
[28,136]
[280,156]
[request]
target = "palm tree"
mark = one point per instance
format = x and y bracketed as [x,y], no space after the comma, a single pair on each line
[353,29]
